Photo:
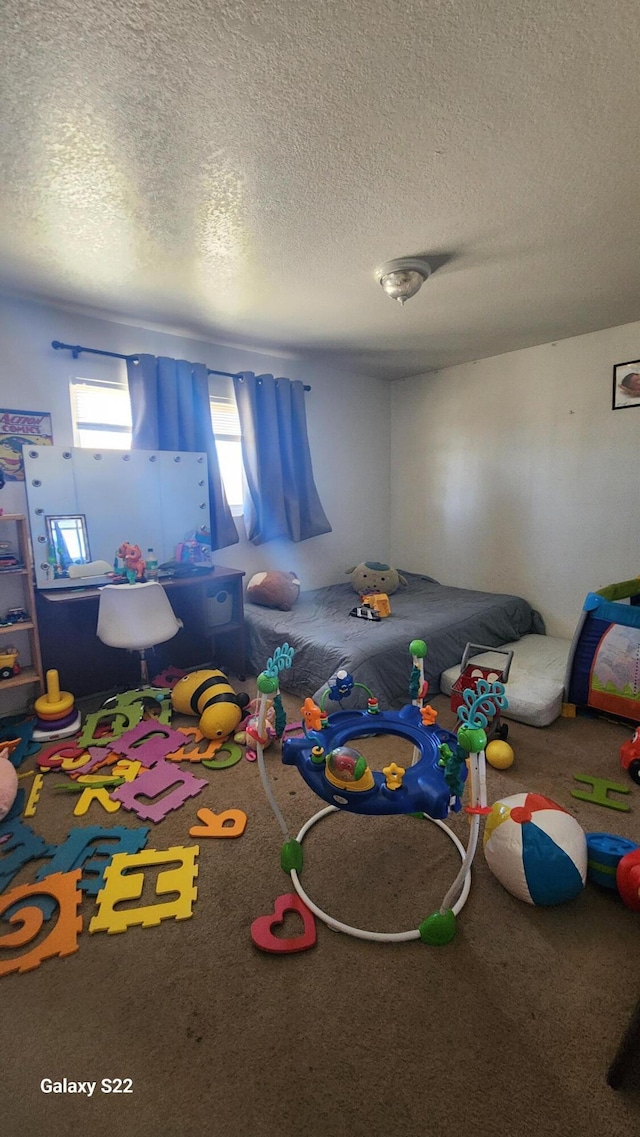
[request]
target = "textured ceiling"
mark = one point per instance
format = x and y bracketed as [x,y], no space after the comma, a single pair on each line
[237,169]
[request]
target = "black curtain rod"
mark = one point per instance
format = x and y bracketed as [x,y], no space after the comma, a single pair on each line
[75,350]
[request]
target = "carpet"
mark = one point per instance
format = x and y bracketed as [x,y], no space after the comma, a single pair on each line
[509,1029]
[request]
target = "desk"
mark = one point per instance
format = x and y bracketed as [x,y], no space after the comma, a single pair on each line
[68,619]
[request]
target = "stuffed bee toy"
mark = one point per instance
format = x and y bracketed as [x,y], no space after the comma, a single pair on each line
[210,695]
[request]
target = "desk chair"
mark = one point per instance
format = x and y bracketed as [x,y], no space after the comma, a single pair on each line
[136,617]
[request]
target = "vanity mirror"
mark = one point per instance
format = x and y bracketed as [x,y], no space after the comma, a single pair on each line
[83,504]
[67,544]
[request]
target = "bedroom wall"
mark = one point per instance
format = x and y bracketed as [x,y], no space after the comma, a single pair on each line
[348,422]
[522,478]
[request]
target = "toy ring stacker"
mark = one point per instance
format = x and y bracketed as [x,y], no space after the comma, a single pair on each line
[431,787]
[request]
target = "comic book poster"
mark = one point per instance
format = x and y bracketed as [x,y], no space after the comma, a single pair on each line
[17,429]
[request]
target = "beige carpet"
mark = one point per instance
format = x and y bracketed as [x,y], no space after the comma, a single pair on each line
[508,1030]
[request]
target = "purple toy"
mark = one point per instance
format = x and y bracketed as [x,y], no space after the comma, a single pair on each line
[148,742]
[164,776]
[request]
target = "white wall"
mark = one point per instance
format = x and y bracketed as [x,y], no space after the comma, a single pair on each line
[348,421]
[521,479]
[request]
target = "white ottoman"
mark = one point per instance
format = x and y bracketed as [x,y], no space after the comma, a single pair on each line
[535,687]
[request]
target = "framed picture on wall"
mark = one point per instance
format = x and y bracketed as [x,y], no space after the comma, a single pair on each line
[626,385]
[18,429]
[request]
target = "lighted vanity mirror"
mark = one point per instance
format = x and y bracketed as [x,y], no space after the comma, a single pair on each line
[67,543]
[88,502]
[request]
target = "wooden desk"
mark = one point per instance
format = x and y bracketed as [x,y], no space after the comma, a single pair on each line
[68,620]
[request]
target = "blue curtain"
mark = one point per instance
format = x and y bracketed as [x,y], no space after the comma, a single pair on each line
[282,497]
[170,411]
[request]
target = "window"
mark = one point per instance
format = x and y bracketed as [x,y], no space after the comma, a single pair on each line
[101,416]
[226,428]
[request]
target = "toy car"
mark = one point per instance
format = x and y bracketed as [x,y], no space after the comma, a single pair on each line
[9,665]
[17,616]
[365,612]
[630,757]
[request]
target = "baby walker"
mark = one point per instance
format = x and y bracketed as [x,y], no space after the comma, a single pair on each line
[431,788]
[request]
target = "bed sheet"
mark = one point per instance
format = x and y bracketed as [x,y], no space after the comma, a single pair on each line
[325,637]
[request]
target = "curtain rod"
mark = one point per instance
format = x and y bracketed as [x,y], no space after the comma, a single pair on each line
[75,350]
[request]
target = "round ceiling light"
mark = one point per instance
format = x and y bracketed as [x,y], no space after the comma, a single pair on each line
[402,278]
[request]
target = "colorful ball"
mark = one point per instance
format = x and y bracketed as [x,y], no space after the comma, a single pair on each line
[499,754]
[536,849]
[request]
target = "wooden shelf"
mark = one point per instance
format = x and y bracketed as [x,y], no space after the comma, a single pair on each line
[27,675]
[19,626]
[30,674]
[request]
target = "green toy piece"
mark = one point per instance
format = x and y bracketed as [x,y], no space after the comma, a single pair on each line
[600,790]
[161,695]
[291,856]
[452,765]
[118,722]
[267,684]
[418,648]
[472,739]
[438,929]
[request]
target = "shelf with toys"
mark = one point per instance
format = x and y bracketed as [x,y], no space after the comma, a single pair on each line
[20,662]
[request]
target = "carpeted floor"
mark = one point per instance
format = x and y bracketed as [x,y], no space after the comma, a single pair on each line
[507,1030]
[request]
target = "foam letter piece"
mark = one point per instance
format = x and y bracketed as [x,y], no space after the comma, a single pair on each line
[126,769]
[22,730]
[163,776]
[123,884]
[195,746]
[90,795]
[117,721]
[214,824]
[52,757]
[83,844]
[61,940]
[131,698]
[232,754]
[149,742]
[96,758]
[261,929]
[18,845]
[34,794]
[600,792]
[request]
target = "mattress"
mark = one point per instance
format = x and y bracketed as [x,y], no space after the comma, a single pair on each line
[326,638]
[535,685]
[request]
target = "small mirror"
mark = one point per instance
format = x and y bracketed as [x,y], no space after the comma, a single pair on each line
[67,543]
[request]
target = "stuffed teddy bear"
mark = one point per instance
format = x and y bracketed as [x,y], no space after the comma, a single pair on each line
[274,590]
[373,576]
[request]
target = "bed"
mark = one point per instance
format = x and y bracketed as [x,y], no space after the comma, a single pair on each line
[325,637]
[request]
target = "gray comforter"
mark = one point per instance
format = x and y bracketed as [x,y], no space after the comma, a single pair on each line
[325,637]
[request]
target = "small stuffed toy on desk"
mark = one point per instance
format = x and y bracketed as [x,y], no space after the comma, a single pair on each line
[374,576]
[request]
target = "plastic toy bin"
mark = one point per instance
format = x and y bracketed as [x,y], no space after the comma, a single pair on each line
[219,608]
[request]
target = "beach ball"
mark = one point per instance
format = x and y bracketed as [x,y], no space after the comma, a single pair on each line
[536,849]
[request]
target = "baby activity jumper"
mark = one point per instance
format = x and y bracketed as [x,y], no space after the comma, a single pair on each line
[431,787]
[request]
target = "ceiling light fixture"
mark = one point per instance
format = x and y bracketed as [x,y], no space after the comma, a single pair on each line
[402,278]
